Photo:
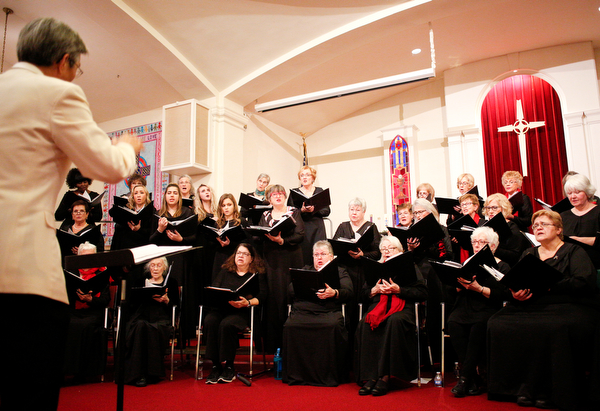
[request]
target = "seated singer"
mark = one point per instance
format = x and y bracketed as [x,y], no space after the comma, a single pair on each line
[386,344]
[222,324]
[315,340]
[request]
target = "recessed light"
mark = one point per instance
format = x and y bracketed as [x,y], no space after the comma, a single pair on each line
[416,51]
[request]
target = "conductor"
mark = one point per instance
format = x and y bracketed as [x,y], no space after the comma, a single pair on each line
[45,124]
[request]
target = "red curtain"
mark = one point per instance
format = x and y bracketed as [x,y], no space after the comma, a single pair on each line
[546,154]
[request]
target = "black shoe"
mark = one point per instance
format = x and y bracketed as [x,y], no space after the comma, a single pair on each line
[141,382]
[473,389]
[545,404]
[213,377]
[367,388]
[381,388]
[460,389]
[228,375]
[524,401]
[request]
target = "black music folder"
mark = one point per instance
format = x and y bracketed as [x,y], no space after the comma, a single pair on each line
[188,202]
[69,240]
[318,200]
[450,271]
[93,285]
[234,233]
[427,230]
[516,200]
[286,223]
[123,214]
[500,226]
[446,205]
[219,297]
[185,228]
[341,245]
[150,290]
[529,273]
[400,268]
[562,205]
[307,282]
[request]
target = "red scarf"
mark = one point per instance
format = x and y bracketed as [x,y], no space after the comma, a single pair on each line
[86,274]
[464,254]
[379,314]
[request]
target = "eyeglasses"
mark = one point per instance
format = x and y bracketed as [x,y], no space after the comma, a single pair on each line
[243,253]
[479,242]
[320,255]
[79,70]
[404,214]
[305,175]
[390,248]
[491,208]
[510,182]
[79,211]
[465,204]
[543,225]
[419,212]
[463,183]
[277,194]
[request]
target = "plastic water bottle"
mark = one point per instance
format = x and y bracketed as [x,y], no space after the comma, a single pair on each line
[438,380]
[278,365]
[456,370]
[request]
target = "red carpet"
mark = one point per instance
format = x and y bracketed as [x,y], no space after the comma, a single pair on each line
[184,393]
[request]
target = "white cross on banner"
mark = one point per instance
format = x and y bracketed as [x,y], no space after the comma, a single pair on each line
[521,127]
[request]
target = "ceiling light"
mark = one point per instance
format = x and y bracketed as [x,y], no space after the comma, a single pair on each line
[416,51]
[347,90]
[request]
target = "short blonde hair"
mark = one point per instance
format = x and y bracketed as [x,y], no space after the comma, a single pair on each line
[503,202]
[513,175]
[471,197]
[469,178]
[429,188]
[313,172]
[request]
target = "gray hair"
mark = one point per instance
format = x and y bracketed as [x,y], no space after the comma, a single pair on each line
[579,182]
[490,235]
[85,246]
[265,176]
[358,202]
[323,244]
[164,261]
[393,241]
[45,41]
[421,202]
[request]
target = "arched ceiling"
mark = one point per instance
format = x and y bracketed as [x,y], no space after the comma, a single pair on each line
[148,53]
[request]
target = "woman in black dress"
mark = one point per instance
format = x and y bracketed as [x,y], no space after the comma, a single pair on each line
[511,247]
[315,340]
[582,222]
[512,181]
[476,302]
[314,227]
[85,354]
[223,323]
[280,253]
[134,235]
[354,229]
[228,216]
[78,185]
[540,345]
[184,233]
[148,329]
[386,342]
[206,208]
